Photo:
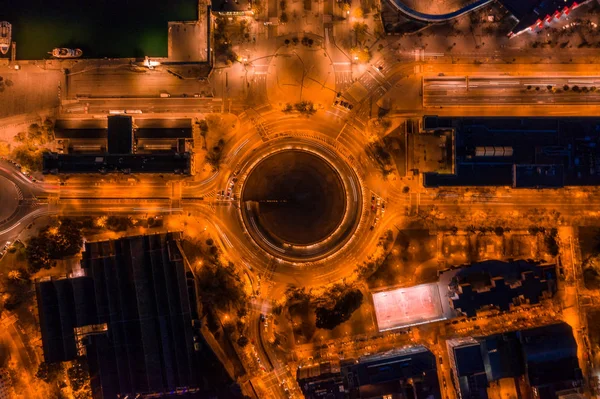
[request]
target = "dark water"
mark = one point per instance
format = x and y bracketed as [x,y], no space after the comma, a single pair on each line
[101,28]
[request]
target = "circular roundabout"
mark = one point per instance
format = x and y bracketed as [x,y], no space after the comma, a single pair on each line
[9,198]
[299,201]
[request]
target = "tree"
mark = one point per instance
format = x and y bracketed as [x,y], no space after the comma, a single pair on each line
[15,275]
[119,223]
[223,46]
[305,108]
[361,54]
[242,341]
[18,288]
[54,243]
[345,303]
[360,31]
[35,134]
[38,254]
[203,125]
[551,243]
[214,158]
[30,157]
[220,287]
[591,278]
[49,372]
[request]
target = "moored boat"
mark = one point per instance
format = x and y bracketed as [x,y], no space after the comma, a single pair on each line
[5,36]
[66,53]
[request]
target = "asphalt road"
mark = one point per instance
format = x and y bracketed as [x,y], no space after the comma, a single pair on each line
[180,105]
[502,90]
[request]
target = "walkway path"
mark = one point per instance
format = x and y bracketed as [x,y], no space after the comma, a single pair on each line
[419,16]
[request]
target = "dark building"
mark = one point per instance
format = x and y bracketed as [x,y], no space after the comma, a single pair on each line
[547,356]
[534,14]
[520,152]
[406,374]
[162,135]
[409,373]
[321,381]
[63,306]
[134,316]
[120,134]
[500,285]
[551,363]
[120,144]
[469,370]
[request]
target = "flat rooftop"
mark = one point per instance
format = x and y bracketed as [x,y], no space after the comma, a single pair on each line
[521,152]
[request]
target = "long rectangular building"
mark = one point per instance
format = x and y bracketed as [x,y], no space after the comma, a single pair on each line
[521,152]
[120,144]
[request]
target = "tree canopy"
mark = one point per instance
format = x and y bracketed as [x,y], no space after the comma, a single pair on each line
[337,306]
[54,243]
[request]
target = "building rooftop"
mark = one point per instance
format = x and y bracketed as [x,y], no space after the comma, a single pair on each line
[551,356]
[469,360]
[64,305]
[410,373]
[500,284]
[522,152]
[120,134]
[322,380]
[502,356]
[547,355]
[163,128]
[107,146]
[131,316]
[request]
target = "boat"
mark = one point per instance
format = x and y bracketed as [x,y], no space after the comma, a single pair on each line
[5,36]
[66,53]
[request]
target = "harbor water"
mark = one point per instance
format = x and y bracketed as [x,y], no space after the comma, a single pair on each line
[101,28]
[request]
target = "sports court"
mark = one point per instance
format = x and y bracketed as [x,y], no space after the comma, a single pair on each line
[409,306]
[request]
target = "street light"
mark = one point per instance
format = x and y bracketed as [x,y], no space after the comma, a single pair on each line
[149,63]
